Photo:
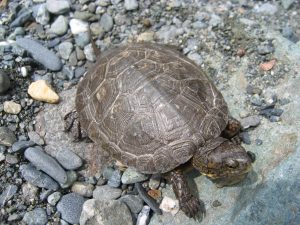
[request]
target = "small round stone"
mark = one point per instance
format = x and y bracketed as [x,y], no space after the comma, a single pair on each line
[84,189]
[12,107]
[54,198]
[58,6]
[37,216]
[131,5]
[78,26]
[107,22]
[42,91]
[216,203]
[65,49]
[59,26]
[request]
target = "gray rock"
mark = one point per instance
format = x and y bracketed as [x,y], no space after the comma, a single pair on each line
[134,202]
[154,181]
[195,57]
[106,192]
[65,49]
[115,179]
[37,216]
[131,5]
[21,146]
[84,189]
[68,159]
[245,137]
[144,215]
[22,18]
[79,71]
[97,30]
[68,72]
[250,121]
[104,212]
[46,163]
[58,6]
[256,100]
[287,3]
[54,198]
[59,26]
[71,178]
[82,39]
[42,16]
[265,49]
[70,207]
[107,22]
[131,176]
[40,53]
[37,178]
[7,137]
[289,33]
[36,138]
[4,82]
[107,172]
[29,192]
[44,195]
[11,159]
[7,194]
[266,8]
[89,53]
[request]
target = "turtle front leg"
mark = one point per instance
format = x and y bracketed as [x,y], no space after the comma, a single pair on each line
[232,130]
[189,204]
[72,125]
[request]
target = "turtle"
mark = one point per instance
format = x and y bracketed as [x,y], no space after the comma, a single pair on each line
[154,109]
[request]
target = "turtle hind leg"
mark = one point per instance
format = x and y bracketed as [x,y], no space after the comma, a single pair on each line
[72,125]
[188,203]
[232,130]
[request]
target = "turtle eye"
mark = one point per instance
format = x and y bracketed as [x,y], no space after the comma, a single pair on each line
[232,163]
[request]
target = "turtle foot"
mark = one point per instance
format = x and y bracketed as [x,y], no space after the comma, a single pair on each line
[191,207]
[73,126]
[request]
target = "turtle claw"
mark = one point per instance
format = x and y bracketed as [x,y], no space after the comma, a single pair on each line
[191,207]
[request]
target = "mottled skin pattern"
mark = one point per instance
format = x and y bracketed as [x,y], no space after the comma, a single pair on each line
[154,109]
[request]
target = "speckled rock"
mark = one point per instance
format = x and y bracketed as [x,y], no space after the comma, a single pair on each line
[103,212]
[12,107]
[70,207]
[37,216]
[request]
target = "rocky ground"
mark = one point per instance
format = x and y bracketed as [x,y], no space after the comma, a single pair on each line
[250,49]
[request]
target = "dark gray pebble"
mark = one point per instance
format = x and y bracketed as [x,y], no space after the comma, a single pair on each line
[22,18]
[4,82]
[134,202]
[245,138]
[250,121]
[115,179]
[275,118]
[258,141]
[21,146]
[40,53]
[7,194]
[265,49]
[46,163]
[70,207]
[37,178]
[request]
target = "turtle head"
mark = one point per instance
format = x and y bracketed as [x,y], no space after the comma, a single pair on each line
[225,164]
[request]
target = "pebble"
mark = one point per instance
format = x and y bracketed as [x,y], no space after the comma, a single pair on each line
[97,30]
[89,53]
[41,54]
[256,100]
[21,146]
[29,192]
[82,39]
[11,159]
[107,22]
[37,178]
[7,137]
[40,90]
[59,26]
[108,172]
[78,26]
[265,49]
[54,198]
[134,202]
[4,82]
[245,137]
[114,180]
[36,138]
[146,37]
[58,6]
[131,5]
[7,194]
[79,71]
[258,141]
[70,207]
[169,205]
[266,8]
[131,176]
[251,90]
[84,189]
[68,159]
[195,57]
[250,121]
[271,112]
[21,18]
[2,157]
[42,15]
[37,216]
[144,215]
[105,213]
[71,178]
[287,4]
[12,107]
[156,194]
[216,203]
[275,118]
[46,163]
[266,66]
[106,192]
[65,49]
[14,217]
[215,20]
[154,181]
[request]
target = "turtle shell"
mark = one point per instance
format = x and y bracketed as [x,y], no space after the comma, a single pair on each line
[149,106]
